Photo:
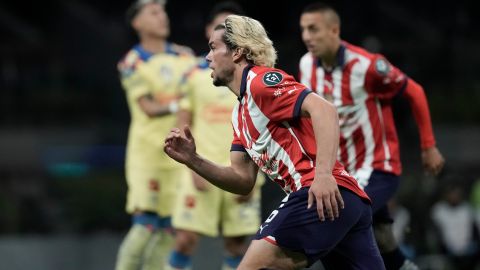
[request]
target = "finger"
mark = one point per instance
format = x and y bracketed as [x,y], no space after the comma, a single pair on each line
[339,198]
[310,199]
[320,212]
[333,202]
[188,133]
[328,206]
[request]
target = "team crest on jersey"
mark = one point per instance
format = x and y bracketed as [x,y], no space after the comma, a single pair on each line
[272,78]
[382,66]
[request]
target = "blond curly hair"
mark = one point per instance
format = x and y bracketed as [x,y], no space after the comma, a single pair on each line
[249,34]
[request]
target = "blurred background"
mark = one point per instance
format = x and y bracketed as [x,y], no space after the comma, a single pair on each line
[64,120]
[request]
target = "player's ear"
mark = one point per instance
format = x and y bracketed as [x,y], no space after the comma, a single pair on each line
[335,28]
[237,54]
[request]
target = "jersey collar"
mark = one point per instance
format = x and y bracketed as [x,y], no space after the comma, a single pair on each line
[145,55]
[243,85]
[340,61]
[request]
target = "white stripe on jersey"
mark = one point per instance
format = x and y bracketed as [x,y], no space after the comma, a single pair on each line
[351,116]
[264,143]
[386,165]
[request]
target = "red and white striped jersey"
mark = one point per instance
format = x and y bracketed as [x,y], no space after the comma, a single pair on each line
[267,124]
[361,86]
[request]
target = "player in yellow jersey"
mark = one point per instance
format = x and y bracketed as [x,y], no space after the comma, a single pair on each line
[150,73]
[201,207]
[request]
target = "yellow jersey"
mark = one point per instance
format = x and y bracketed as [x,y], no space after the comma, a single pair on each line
[157,74]
[211,109]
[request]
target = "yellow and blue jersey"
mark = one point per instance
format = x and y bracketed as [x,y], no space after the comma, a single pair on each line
[211,109]
[143,73]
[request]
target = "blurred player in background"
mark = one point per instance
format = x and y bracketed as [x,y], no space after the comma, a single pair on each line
[150,72]
[201,207]
[291,134]
[362,85]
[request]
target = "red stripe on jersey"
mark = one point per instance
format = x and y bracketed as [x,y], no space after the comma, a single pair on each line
[379,151]
[328,86]
[313,78]
[346,94]
[252,131]
[359,147]
[343,151]
[271,241]
[392,139]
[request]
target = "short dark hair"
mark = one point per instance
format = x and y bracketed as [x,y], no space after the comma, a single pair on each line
[225,7]
[322,7]
[137,5]
[317,7]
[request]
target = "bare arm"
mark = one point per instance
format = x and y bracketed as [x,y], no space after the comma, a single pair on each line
[237,178]
[153,108]
[325,126]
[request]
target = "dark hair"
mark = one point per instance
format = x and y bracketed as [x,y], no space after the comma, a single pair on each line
[318,7]
[225,7]
[322,7]
[137,5]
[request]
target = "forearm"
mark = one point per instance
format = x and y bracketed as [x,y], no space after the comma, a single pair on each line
[419,104]
[154,109]
[224,177]
[326,129]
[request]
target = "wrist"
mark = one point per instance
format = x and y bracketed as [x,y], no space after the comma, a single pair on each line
[194,161]
[173,107]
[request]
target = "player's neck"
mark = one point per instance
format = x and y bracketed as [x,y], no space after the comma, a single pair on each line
[235,84]
[154,45]
[329,60]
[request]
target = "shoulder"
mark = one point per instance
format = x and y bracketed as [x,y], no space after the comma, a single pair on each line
[268,80]
[180,50]
[265,77]
[129,62]
[307,59]
[201,65]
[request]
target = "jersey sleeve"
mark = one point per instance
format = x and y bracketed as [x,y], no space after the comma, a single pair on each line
[281,101]
[132,81]
[384,80]
[237,144]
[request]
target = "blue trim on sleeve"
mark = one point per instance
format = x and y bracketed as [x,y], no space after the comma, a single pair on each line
[237,147]
[297,110]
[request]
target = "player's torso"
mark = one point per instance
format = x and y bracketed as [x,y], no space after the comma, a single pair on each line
[162,73]
[365,140]
[212,110]
[272,146]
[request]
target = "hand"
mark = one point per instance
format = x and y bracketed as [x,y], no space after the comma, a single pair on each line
[432,160]
[325,191]
[199,183]
[180,147]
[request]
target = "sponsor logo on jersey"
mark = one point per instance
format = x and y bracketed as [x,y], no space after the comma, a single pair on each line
[154,185]
[272,78]
[382,66]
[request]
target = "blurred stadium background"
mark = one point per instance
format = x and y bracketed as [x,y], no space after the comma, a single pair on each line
[64,119]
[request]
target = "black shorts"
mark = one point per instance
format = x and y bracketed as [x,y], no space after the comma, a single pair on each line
[349,239]
[381,188]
